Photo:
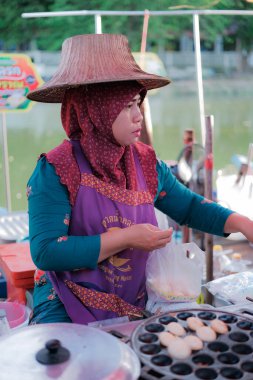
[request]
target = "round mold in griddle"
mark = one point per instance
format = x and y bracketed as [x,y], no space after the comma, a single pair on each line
[242,349]
[228,358]
[161,360]
[181,369]
[231,373]
[238,336]
[184,315]
[148,338]
[245,325]
[207,315]
[202,360]
[154,327]
[218,346]
[150,349]
[206,373]
[247,366]
[228,318]
[167,319]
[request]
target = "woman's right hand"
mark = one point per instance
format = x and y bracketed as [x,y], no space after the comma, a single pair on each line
[147,237]
[144,236]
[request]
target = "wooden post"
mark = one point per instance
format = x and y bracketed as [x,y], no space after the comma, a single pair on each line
[144,31]
[209,195]
[188,140]
[147,131]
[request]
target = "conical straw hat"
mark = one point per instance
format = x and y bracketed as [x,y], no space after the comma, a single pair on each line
[94,58]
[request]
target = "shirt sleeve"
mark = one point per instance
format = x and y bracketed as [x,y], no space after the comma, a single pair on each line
[49,215]
[187,207]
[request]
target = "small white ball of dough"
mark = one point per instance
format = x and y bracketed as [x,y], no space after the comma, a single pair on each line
[205,333]
[176,329]
[194,342]
[179,349]
[166,338]
[194,323]
[219,326]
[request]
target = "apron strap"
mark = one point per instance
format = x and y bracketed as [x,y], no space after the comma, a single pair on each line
[103,301]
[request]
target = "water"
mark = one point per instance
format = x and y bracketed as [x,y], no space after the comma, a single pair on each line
[173,109]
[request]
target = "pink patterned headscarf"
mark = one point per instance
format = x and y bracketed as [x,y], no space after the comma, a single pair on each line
[88,114]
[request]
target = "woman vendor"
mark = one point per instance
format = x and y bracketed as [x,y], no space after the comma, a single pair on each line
[91,199]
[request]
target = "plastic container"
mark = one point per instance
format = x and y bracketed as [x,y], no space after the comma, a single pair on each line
[4,324]
[220,260]
[3,285]
[16,313]
[18,268]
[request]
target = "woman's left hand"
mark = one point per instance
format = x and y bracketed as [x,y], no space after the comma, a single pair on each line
[239,223]
[247,230]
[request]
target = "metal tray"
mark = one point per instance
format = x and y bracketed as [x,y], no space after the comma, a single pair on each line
[230,356]
[13,227]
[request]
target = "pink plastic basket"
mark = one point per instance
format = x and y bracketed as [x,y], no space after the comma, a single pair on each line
[16,313]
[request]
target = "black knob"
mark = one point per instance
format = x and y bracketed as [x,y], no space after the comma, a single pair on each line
[53,353]
[53,345]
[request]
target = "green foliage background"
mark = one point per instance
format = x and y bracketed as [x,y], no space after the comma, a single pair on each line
[17,33]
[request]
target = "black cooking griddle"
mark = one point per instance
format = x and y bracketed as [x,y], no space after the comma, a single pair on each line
[230,356]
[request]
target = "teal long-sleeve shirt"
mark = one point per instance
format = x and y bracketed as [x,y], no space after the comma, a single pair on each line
[50,211]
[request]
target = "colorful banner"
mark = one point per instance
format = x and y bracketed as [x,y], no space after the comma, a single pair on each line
[18,76]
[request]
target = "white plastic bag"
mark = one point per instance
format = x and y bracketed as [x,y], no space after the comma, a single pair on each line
[233,288]
[174,274]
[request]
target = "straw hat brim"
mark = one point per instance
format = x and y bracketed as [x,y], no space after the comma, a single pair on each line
[51,93]
[94,58]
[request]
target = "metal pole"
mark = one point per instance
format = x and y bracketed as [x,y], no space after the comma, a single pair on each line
[209,195]
[98,24]
[229,12]
[199,75]
[6,163]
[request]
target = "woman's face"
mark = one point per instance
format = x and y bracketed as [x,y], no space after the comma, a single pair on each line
[127,126]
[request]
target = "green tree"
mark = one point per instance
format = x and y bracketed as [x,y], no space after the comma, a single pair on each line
[17,33]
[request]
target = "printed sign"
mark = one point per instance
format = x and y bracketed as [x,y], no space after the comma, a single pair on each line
[151,63]
[18,76]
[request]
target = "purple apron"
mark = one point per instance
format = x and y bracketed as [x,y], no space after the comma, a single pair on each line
[90,295]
